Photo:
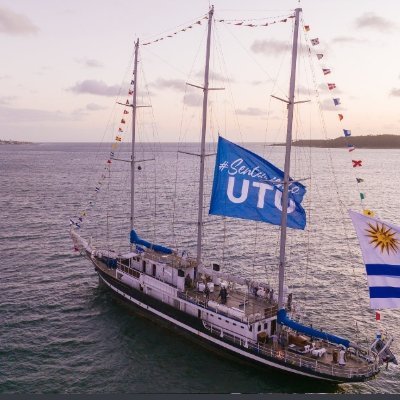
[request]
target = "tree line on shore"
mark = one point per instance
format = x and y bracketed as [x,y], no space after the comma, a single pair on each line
[366,142]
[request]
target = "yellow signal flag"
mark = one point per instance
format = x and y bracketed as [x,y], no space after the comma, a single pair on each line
[369,213]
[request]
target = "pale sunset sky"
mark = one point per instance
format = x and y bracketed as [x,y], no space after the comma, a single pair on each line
[64,64]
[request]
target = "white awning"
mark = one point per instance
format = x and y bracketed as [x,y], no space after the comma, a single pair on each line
[127,256]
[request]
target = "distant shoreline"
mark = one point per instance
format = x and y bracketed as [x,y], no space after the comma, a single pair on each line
[366,142]
[13,142]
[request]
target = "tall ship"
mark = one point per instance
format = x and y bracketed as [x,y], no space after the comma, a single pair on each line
[247,317]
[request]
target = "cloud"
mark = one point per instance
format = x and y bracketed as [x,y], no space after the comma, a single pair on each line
[78,114]
[395,92]
[270,46]
[176,84]
[370,20]
[94,107]
[12,23]
[21,115]
[328,105]
[300,89]
[7,99]
[90,62]
[251,111]
[95,87]
[214,76]
[192,99]
[347,39]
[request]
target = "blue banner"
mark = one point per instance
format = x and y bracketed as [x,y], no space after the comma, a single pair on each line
[244,187]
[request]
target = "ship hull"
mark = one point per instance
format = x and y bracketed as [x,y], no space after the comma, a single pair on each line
[194,328]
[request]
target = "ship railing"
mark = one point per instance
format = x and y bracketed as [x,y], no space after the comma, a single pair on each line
[173,260]
[136,274]
[314,364]
[268,312]
[203,304]
[294,359]
[191,299]
[271,311]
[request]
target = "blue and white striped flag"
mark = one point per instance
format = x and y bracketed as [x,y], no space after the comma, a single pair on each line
[380,247]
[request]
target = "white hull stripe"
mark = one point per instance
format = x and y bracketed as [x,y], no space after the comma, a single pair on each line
[210,338]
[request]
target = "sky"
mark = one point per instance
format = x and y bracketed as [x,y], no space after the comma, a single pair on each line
[65,64]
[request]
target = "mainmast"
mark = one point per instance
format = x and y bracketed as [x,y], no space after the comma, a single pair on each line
[203,140]
[285,194]
[134,133]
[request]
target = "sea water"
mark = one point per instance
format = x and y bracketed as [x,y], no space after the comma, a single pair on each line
[63,333]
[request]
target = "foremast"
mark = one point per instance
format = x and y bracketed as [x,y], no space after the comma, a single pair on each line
[285,194]
[134,107]
[203,141]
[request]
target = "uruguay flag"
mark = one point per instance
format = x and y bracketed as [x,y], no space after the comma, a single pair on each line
[380,247]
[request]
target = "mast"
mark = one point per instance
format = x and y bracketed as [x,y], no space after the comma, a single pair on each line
[134,133]
[203,140]
[285,194]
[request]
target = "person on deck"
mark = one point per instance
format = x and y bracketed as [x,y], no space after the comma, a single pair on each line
[207,294]
[223,294]
[342,357]
[188,281]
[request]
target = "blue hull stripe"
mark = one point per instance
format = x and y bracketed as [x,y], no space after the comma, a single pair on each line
[383,269]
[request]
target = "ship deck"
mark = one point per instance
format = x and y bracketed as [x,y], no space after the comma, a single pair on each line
[256,308]
[174,260]
[249,305]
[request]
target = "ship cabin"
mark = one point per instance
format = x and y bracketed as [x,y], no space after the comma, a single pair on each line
[247,311]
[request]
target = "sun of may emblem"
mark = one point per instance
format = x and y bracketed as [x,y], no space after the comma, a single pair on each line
[383,238]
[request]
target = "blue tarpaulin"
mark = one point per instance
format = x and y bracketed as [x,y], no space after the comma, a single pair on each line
[283,319]
[136,239]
